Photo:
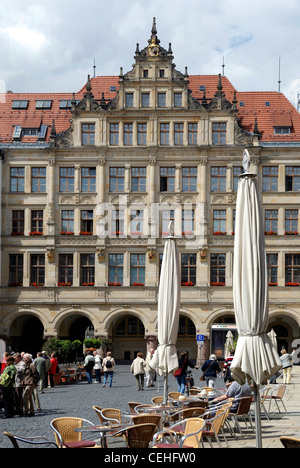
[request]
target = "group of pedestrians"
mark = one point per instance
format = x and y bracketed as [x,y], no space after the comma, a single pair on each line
[141,368]
[21,380]
[94,364]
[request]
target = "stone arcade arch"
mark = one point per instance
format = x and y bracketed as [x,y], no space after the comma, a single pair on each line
[26,333]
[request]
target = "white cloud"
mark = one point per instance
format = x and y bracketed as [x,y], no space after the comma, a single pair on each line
[28,39]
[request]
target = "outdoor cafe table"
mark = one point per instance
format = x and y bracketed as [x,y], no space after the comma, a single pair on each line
[102,430]
[166,411]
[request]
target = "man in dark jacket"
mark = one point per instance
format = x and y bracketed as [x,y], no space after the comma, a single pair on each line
[210,370]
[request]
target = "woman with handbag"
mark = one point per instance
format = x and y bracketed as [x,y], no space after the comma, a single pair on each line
[180,373]
[210,370]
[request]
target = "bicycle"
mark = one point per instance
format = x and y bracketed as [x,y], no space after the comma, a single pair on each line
[189,381]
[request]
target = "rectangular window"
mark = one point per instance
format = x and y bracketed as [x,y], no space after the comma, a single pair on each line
[66,179]
[138,179]
[167,217]
[292,269]
[192,133]
[88,179]
[219,221]
[161,99]
[88,134]
[87,269]
[16,270]
[272,266]
[67,221]
[141,134]
[65,269]
[44,104]
[271,221]
[137,222]
[217,269]
[17,177]
[237,171]
[86,222]
[116,179]
[218,179]
[188,222]
[270,179]
[177,99]
[164,133]
[129,99]
[18,222]
[20,104]
[219,133]
[188,268]
[128,133]
[178,133]
[137,269]
[115,269]
[37,221]
[292,178]
[189,179]
[114,134]
[117,225]
[17,131]
[38,179]
[145,99]
[37,270]
[291,220]
[161,73]
[167,179]
[282,130]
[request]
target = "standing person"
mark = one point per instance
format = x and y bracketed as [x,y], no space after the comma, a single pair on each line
[48,365]
[210,369]
[53,368]
[4,362]
[88,365]
[180,373]
[31,378]
[7,383]
[150,373]
[138,369]
[20,368]
[97,367]
[287,364]
[226,367]
[40,365]
[108,368]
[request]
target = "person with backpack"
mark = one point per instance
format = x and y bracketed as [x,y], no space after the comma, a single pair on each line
[7,382]
[108,368]
[31,378]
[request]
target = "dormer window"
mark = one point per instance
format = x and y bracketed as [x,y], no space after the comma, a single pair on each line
[282,130]
[20,104]
[44,104]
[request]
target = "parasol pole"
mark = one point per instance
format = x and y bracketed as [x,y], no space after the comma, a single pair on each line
[257,411]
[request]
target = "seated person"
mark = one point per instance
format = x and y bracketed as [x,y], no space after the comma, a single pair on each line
[235,391]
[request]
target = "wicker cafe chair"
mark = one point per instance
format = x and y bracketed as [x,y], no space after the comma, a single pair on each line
[214,425]
[290,442]
[243,412]
[187,413]
[29,440]
[191,438]
[66,437]
[147,419]
[111,415]
[174,396]
[137,435]
[277,395]
[132,405]
[157,400]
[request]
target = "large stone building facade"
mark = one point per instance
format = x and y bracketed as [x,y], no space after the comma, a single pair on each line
[91,180]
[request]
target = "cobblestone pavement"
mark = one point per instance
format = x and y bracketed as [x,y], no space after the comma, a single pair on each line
[77,400]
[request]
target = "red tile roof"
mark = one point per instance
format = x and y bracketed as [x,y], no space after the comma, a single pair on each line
[251,106]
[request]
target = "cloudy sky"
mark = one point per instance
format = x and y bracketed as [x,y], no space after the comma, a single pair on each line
[51,46]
